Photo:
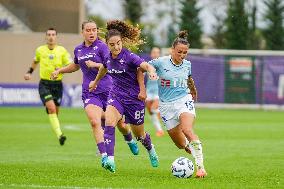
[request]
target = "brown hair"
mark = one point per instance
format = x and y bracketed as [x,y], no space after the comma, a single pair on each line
[52,29]
[181,38]
[129,34]
[86,22]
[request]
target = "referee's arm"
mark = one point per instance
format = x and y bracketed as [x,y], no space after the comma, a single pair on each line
[28,75]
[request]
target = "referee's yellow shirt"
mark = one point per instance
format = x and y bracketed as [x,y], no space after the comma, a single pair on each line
[50,60]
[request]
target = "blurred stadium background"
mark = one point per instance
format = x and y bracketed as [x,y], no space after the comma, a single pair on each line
[230,77]
[222,76]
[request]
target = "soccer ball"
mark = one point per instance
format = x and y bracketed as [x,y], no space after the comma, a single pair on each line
[182,168]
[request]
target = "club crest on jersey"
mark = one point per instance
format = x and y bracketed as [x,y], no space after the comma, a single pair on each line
[51,56]
[121,61]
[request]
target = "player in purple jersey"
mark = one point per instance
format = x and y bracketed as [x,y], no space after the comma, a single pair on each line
[123,99]
[95,50]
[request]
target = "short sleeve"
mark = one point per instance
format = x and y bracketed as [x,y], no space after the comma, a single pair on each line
[155,63]
[75,57]
[189,69]
[106,62]
[104,53]
[135,60]
[37,55]
[66,58]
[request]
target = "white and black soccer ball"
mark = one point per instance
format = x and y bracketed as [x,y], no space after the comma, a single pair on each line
[182,168]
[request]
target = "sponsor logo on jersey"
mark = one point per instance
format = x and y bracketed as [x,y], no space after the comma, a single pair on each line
[114,71]
[174,83]
[165,82]
[87,56]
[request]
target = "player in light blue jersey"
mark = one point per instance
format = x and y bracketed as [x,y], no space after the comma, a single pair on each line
[152,101]
[177,94]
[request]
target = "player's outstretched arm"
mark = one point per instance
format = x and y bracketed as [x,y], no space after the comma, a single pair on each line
[92,64]
[191,86]
[28,75]
[72,67]
[140,77]
[150,69]
[102,72]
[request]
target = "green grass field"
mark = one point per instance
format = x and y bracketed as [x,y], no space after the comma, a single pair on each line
[242,149]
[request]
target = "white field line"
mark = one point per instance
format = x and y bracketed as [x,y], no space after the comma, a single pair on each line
[75,128]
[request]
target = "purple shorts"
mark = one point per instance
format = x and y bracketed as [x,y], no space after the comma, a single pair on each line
[95,99]
[132,109]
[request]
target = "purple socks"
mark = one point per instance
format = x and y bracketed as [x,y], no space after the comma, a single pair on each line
[146,141]
[109,140]
[101,147]
[128,137]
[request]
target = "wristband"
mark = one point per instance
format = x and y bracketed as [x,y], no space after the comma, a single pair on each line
[30,71]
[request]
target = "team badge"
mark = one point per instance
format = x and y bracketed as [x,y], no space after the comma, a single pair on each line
[51,56]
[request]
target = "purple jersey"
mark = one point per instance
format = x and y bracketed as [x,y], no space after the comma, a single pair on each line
[97,52]
[123,71]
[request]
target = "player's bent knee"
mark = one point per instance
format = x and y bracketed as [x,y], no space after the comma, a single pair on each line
[111,122]
[51,110]
[94,123]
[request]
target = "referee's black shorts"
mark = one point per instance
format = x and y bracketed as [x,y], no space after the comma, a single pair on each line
[50,90]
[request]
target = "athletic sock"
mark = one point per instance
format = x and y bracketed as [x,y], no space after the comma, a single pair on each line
[102,148]
[196,151]
[156,122]
[109,137]
[53,119]
[128,137]
[146,141]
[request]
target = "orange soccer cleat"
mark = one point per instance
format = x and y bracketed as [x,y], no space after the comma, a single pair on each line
[201,173]
[160,133]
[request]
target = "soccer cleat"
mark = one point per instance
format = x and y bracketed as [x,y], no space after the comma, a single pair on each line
[201,173]
[104,161]
[153,157]
[160,133]
[133,147]
[62,139]
[110,165]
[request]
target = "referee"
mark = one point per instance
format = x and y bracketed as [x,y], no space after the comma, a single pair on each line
[50,57]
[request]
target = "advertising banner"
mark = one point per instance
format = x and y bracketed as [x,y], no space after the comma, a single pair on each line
[239,79]
[273,80]
[208,74]
[27,95]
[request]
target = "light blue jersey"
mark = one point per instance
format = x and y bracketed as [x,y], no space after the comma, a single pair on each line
[173,78]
